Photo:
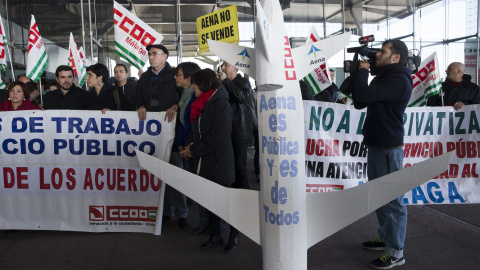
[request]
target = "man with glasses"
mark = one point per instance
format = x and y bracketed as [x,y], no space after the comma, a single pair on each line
[157,92]
[386,99]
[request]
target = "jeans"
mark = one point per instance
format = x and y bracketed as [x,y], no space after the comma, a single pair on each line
[392,216]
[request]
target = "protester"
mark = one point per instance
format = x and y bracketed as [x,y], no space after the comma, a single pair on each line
[102,96]
[306,91]
[52,87]
[183,78]
[239,90]
[23,78]
[156,92]
[68,96]
[34,92]
[211,118]
[18,98]
[386,99]
[329,94]
[126,85]
[457,89]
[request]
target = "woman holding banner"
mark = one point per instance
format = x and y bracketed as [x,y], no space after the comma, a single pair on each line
[18,98]
[211,118]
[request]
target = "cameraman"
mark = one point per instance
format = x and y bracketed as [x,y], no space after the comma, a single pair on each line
[385,99]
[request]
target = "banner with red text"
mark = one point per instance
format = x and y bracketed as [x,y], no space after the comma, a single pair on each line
[37,58]
[132,36]
[336,158]
[426,82]
[319,79]
[78,171]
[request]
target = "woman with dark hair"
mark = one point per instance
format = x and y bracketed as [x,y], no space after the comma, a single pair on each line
[183,78]
[18,98]
[102,96]
[211,118]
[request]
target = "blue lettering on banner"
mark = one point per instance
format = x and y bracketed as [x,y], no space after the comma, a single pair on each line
[77,125]
[287,103]
[95,147]
[435,194]
[22,146]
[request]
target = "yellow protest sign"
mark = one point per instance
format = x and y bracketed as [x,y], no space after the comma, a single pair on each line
[221,25]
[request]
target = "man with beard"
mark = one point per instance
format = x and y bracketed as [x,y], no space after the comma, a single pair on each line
[68,96]
[386,98]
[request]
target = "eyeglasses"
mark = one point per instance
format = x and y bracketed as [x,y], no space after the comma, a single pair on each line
[154,54]
[178,74]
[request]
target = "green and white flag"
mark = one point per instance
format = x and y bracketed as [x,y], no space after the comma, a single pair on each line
[426,82]
[3,45]
[319,78]
[2,85]
[37,58]
[132,36]
[75,61]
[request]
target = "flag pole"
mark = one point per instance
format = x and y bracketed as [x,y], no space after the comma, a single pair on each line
[40,87]
[9,56]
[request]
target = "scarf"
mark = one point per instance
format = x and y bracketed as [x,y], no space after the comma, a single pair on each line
[197,105]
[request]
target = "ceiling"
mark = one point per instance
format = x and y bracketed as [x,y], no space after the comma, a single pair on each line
[57,18]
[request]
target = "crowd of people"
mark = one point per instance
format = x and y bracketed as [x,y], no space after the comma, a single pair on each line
[216,121]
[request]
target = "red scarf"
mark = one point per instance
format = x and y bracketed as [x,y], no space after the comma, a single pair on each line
[197,105]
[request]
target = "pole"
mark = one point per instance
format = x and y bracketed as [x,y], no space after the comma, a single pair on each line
[83,24]
[91,33]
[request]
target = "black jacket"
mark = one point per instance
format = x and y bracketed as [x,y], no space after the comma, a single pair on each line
[386,98]
[211,134]
[72,100]
[164,86]
[239,90]
[307,93]
[3,95]
[129,90]
[330,94]
[466,92]
[106,99]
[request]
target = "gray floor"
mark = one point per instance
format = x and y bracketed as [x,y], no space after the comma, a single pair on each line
[438,237]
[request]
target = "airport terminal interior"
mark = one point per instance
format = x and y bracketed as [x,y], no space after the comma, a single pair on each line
[439,236]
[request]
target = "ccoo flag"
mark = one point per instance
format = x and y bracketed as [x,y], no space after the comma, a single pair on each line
[319,78]
[426,82]
[132,36]
[3,45]
[37,58]
[75,61]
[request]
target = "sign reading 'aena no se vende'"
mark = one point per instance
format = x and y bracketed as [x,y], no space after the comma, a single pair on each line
[221,25]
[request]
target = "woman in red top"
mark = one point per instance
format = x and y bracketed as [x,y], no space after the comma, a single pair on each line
[18,98]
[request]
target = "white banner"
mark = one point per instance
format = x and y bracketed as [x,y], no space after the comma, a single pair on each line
[132,36]
[78,171]
[75,61]
[426,82]
[336,158]
[37,58]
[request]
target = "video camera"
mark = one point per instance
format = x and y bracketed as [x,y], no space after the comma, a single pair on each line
[367,53]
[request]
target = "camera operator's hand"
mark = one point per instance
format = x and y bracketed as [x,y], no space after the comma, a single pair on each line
[364,64]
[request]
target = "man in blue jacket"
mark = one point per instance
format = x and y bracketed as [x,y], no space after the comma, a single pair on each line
[386,99]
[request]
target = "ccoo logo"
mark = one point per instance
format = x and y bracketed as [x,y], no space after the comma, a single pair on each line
[96,213]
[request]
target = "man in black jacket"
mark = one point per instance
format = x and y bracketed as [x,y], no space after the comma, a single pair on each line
[457,89]
[127,86]
[329,94]
[239,90]
[157,92]
[68,96]
[386,98]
